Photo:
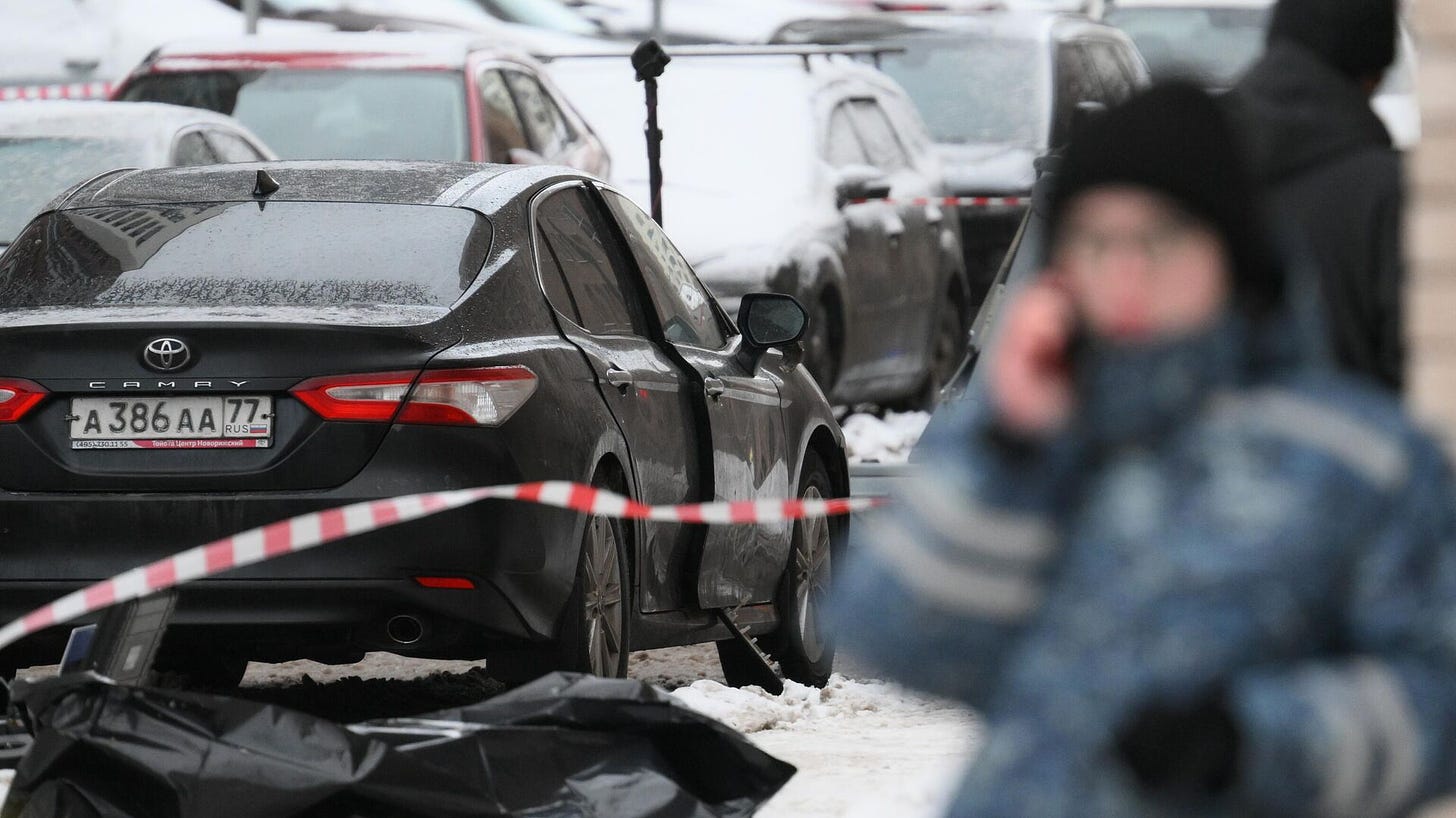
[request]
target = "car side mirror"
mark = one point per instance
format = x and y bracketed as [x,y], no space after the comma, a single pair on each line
[770,321]
[860,182]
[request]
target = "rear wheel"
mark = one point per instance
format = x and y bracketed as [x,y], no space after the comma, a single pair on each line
[804,643]
[946,350]
[822,344]
[595,629]
[595,635]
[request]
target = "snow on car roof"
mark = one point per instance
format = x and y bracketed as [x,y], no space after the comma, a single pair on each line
[387,182]
[111,120]
[332,50]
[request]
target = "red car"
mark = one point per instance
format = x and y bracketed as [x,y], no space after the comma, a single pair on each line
[377,96]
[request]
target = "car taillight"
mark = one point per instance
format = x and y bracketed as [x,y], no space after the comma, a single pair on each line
[17,397]
[457,397]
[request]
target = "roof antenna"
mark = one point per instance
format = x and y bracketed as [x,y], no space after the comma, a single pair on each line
[265,186]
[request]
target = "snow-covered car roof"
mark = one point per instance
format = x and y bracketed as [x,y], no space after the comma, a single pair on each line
[109,120]
[1016,23]
[380,50]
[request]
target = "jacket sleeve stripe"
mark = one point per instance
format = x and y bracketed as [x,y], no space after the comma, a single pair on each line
[1388,715]
[1373,763]
[974,528]
[1376,456]
[948,583]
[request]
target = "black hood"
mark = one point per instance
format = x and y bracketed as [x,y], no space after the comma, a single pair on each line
[1299,112]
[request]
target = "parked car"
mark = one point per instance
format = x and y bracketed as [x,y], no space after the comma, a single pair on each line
[711,21]
[833,195]
[188,355]
[1215,41]
[998,89]
[93,44]
[46,147]
[378,96]
[531,25]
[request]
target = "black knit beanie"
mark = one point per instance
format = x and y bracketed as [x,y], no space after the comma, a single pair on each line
[1357,37]
[1176,141]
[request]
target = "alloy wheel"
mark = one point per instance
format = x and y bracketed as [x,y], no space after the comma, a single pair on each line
[812,571]
[602,598]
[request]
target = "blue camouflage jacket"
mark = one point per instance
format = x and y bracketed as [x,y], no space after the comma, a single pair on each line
[1289,540]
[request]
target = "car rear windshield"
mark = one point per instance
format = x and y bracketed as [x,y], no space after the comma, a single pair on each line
[1213,46]
[330,114]
[976,91]
[245,254]
[34,170]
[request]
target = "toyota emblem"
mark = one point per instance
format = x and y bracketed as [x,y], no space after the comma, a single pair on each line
[166,354]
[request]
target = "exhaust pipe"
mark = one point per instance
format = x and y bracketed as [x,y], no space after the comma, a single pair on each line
[404,629]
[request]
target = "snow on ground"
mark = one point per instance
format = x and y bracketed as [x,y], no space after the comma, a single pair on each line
[870,439]
[864,749]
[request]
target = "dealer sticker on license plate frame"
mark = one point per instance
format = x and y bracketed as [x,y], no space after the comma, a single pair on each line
[193,422]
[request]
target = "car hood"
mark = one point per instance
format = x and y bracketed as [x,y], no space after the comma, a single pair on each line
[709,225]
[988,169]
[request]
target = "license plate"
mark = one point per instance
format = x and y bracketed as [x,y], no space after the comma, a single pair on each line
[209,422]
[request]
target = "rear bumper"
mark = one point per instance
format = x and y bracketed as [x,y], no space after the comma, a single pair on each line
[337,597]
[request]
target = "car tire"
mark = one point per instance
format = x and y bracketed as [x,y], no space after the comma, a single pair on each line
[823,344]
[803,644]
[595,636]
[947,348]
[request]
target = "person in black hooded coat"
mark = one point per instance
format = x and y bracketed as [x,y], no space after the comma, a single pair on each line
[1333,180]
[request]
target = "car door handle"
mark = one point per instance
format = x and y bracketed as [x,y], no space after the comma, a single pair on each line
[620,378]
[714,387]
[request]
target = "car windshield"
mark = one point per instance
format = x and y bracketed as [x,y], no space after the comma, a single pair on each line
[243,254]
[36,169]
[1213,46]
[976,91]
[332,113]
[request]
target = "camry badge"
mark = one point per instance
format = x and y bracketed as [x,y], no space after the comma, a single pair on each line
[166,354]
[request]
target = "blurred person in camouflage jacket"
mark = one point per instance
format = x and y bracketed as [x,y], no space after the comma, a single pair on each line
[1180,567]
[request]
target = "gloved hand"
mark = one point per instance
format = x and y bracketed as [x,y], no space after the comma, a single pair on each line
[1190,750]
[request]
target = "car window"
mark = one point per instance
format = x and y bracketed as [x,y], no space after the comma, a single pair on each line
[35,169]
[1213,45]
[503,131]
[987,90]
[546,127]
[1102,61]
[575,238]
[879,137]
[683,305]
[237,254]
[1074,85]
[329,113]
[232,148]
[842,146]
[192,149]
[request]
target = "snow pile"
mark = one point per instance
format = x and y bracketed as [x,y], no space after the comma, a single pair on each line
[889,440]
[864,749]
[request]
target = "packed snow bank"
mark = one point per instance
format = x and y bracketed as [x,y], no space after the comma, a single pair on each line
[885,440]
[864,749]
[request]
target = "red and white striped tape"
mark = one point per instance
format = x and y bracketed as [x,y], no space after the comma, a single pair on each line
[316,528]
[75,90]
[955,201]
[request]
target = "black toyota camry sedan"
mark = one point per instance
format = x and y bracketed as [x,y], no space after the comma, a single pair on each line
[188,353]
